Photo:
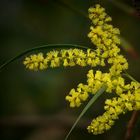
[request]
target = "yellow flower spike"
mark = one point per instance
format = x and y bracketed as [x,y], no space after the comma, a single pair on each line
[100,124]
[113,107]
[106,53]
[66,58]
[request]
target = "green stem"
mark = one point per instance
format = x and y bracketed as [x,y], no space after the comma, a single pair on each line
[93,99]
[130,77]
[41,48]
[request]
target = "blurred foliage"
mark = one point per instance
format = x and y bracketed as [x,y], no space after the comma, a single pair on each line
[28,23]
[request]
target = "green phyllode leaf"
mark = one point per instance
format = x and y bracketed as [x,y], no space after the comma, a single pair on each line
[91,102]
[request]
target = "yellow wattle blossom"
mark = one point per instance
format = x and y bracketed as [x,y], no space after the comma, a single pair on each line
[35,62]
[70,57]
[106,54]
[114,107]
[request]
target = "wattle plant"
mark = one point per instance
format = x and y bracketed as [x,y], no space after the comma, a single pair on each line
[112,80]
[107,53]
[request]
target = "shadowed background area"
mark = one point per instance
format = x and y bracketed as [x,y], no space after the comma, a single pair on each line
[32,104]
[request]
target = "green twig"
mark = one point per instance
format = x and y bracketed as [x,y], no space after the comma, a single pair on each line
[130,77]
[93,99]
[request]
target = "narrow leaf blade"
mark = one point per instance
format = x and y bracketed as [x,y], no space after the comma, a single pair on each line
[91,102]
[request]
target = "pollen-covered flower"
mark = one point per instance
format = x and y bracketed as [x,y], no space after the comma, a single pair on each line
[127,101]
[102,123]
[70,57]
[35,62]
[106,53]
[76,97]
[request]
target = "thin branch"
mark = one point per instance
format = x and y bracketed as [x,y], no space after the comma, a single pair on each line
[131,125]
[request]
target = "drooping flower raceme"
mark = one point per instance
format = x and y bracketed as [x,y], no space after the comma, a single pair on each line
[106,54]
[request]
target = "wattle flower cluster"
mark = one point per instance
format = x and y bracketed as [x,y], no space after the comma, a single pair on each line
[70,57]
[106,54]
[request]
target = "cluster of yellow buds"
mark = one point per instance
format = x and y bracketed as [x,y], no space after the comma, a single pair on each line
[70,57]
[105,37]
[129,100]
[107,53]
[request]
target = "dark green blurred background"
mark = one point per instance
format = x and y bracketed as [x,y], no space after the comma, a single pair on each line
[32,104]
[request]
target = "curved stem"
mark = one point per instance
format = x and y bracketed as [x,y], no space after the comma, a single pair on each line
[41,48]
